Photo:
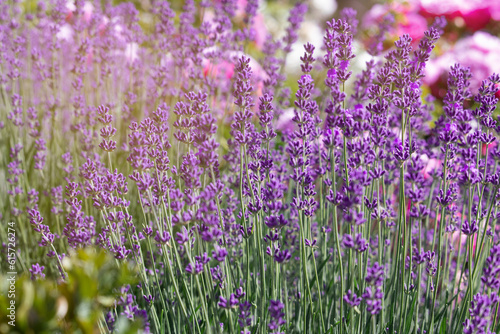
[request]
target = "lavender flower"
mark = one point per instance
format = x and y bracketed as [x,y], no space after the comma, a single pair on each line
[481,314]
[276,314]
[36,271]
[491,270]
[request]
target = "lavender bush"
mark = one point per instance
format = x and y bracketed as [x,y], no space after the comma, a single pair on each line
[372,210]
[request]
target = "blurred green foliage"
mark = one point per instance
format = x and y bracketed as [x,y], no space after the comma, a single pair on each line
[75,305]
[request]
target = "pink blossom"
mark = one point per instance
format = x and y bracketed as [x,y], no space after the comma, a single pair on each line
[226,68]
[414,25]
[476,14]
[479,52]
[223,68]
[408,20]
[432,165]
[88,8]
[260,30]
[494,7]
[490,147]
[285,122]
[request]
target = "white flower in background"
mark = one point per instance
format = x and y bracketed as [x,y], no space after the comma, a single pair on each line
[311,31]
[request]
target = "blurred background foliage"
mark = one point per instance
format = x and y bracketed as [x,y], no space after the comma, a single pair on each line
[75,305]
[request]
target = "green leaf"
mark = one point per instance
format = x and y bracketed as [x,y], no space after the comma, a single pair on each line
[410,314]
[322,265]
[445,306]
[308,316]
[442,330]
[256,326]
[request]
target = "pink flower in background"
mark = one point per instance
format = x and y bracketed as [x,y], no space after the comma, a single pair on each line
[258,23]
[408,21]
[432,165]
[479,52]
[226,68]
[223,68]
[223,71]
[494,7]
[88,8]
[414,25]
[474,12]
[260,30]
[66,31]
[490,147]
[284,122]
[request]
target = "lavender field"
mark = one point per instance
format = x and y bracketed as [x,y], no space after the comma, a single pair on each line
[246,166]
